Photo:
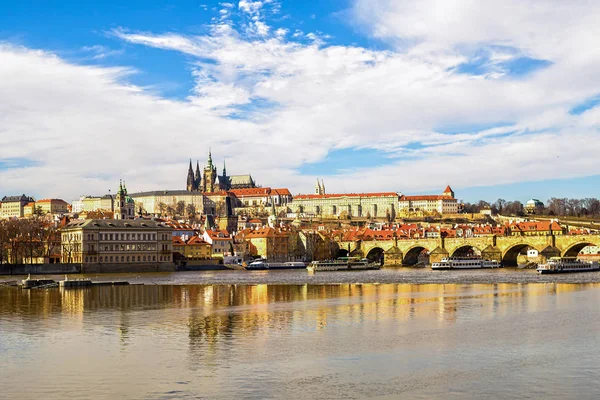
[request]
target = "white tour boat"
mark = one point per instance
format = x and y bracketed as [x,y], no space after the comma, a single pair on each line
[343,264]
[557,265]
[263,264]
[465,263]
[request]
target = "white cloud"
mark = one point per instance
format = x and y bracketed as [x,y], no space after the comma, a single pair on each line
[324,98]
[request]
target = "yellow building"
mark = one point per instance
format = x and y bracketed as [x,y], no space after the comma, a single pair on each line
[110,241]
[269,243]
[13,206]
[193,248]
[53,206]
[28,209]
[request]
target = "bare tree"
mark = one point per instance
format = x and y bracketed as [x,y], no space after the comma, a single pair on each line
[190,211]
[180,208]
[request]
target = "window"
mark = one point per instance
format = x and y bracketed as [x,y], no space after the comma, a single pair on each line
[122,258]
[139,258]
[111,258]
[153,258]
[144,258]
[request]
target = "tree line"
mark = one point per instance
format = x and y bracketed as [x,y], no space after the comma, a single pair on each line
[560,207]
[24,240]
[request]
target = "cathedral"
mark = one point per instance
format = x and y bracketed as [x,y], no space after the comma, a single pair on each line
[210,182]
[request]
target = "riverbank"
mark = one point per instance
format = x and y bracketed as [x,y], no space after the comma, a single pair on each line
[300,277]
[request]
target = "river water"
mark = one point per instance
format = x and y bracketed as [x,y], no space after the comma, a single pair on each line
[302,341]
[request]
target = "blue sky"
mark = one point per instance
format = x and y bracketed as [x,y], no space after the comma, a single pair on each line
[368,95]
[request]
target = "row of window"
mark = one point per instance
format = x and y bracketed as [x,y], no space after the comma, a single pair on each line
[125,236]
[116,259]
[129,247]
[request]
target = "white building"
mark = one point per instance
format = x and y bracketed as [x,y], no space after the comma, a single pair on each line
[441,204]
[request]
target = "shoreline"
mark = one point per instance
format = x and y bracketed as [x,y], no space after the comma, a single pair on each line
[302,277]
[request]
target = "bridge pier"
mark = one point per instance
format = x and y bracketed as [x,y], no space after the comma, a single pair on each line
[491,253]
[437,254]
[393,257]
[549,251]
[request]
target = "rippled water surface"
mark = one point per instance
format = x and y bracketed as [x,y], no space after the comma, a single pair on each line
[537,340]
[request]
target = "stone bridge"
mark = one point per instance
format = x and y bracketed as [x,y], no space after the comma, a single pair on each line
[510,250]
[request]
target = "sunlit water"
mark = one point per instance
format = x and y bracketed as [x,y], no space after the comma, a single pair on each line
[302,341]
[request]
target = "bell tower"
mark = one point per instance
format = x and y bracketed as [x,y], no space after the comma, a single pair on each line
[210,176]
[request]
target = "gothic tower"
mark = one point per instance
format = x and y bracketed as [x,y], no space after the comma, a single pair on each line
[224,179]
[197,177]
[210,176]
[191,181]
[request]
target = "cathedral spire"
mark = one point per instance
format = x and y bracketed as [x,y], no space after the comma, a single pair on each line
[209,158]
[224,169]
[197,177]
[191,181]
[322,187]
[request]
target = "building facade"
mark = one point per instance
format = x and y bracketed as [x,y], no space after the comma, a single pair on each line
[53,206]
[429,204]
[367,205]
[106,241]
[13,206]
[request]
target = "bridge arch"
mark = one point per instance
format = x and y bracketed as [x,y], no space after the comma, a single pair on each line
[575,248]
[341,253]
[511,255]
[466,250]
[376,254]
[411,256]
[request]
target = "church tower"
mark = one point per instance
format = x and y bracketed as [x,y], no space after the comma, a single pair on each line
[191,181]
[124,205]
[197,177]
[210,176]
[224,179]
[320,187]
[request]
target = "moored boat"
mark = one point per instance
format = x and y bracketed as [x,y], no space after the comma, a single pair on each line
[557,265]
[343,264]
[465,263]
[264,265]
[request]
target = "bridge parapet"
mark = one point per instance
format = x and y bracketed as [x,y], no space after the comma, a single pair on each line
[493,246]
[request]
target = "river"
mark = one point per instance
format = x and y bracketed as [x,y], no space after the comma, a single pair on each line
[302,341]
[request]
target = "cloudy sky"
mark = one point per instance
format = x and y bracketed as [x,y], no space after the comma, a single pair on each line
[495,98]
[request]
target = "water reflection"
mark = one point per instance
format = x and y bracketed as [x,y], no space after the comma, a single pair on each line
[233,340]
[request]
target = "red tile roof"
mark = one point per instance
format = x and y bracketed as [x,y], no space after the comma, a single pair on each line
[196,240]
[282,192]
[251,192]
[334,195]
[448,189]
[425,197]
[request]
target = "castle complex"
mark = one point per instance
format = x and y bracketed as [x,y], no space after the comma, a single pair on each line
[210,182]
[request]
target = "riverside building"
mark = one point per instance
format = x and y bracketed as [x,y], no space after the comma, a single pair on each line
[101,242]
